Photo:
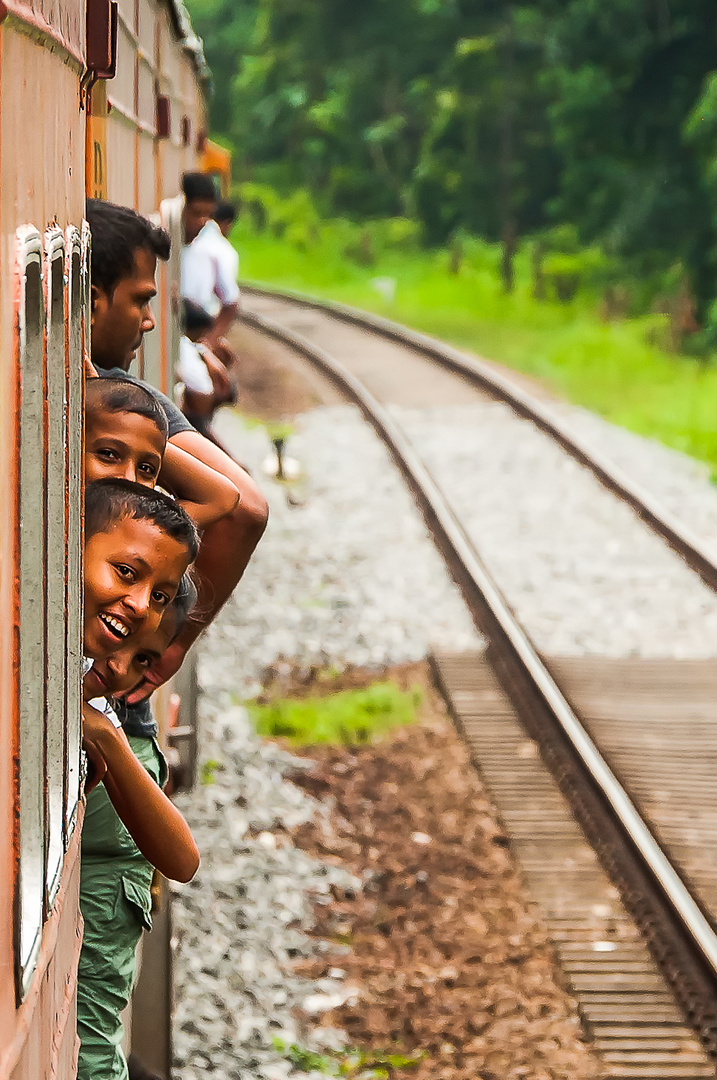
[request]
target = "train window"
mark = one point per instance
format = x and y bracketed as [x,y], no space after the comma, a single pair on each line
[76,263]
[163,116]
[31,640]
[56,541]
[186,130]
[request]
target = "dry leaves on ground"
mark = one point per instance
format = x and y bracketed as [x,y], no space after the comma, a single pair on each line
[449,959]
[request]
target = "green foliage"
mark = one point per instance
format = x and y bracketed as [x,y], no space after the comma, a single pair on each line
[616,368]
[208,768]
[500,119]
[350,716]
[368,1065]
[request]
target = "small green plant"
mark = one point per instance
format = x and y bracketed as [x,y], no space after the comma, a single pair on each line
[349,717]
[370,1064]
[307,1060]
[209,767]
[279,429]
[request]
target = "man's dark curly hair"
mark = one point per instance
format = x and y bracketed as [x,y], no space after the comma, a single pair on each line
[117,233]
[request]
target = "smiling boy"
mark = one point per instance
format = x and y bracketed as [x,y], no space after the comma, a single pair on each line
[138,545]
[130,828]
[125,249]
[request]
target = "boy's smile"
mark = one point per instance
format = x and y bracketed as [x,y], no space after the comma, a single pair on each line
[132,573]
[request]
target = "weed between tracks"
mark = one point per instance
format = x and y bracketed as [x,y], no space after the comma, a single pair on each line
[350,717]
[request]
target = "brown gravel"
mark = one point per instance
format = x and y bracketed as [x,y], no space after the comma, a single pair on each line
[449,957]
[273,383]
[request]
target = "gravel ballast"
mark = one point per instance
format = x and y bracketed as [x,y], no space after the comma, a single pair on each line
[347,576]
[581,571]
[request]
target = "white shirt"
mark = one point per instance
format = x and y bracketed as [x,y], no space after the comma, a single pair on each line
[209,270]
[102,705]
[191,369]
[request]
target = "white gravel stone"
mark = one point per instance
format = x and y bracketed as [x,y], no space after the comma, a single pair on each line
[349,577]
[682,484]
[582,573]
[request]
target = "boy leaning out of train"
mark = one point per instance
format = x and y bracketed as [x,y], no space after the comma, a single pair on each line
[137,595]
[126,434]
[130,828]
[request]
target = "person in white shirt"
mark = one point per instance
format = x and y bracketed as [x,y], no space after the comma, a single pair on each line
[225,215]
[208,273]
[204,378]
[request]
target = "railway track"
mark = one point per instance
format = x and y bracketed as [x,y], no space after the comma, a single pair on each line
[512,695]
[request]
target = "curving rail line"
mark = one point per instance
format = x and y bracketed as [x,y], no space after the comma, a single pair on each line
[681,937]
[688,545]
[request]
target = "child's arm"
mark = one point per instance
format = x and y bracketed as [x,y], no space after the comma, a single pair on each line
[205,494]
[153,821]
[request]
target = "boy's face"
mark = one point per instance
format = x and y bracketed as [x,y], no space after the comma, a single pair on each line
[122,445]
[121,318]
[124,670]
[132,573]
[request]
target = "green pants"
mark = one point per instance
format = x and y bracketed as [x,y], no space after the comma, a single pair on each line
[115,901]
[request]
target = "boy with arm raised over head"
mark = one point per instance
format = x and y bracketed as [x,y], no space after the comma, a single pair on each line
[125,248]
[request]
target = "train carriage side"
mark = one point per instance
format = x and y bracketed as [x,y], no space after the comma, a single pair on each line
[145,124]
[42,298]
[50,157]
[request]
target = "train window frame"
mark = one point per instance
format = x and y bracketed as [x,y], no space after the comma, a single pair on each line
[30,605]
[55,560]
[76,301]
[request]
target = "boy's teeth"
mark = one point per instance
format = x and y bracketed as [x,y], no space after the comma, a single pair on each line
[115,624]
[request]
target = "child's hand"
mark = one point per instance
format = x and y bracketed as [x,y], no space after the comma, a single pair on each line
[92,725]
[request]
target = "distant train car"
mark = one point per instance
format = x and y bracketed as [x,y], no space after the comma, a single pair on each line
[105,99]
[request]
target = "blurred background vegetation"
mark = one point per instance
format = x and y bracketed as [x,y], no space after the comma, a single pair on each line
[534,180]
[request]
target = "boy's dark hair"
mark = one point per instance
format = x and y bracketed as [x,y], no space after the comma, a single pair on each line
[117,233]
[181,607]
[195,318]
[225,211]
[198,185]
[112,395]
[109,501]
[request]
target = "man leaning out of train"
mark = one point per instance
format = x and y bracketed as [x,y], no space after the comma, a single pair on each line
[139,544]
[125,249]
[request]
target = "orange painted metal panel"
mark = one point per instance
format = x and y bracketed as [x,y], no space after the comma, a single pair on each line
[45,1042]
[58,21]
[41,181]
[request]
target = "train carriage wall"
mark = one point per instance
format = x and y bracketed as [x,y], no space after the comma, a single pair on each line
[128,139]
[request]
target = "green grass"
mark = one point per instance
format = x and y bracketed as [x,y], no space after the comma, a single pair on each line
[349,717]
[372,1065]
[614,369]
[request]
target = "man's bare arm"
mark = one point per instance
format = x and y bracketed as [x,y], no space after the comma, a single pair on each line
[223,321]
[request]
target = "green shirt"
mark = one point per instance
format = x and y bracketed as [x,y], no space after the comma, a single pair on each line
[115,901]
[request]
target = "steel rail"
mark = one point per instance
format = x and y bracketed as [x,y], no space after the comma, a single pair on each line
[686,543]
[504,632]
